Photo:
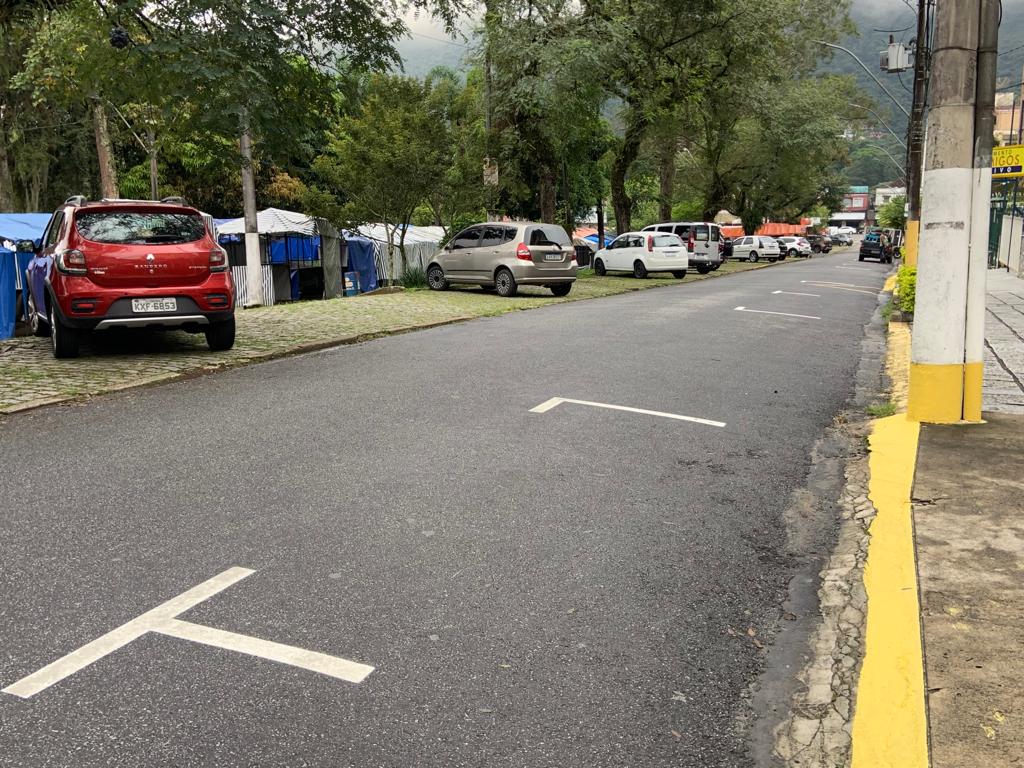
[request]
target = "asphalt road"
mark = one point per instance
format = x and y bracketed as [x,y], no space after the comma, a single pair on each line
[568,588]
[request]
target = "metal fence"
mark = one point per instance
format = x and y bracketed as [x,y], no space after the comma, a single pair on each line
[242,287]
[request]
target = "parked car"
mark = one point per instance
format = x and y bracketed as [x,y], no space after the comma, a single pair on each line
[819,243]
[795,246]
[842,238]
[129,264]
[756,247]
[643,252]
[701,238]
[506,255]
[876,245]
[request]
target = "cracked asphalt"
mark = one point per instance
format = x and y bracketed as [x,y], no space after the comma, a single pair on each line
[582,587]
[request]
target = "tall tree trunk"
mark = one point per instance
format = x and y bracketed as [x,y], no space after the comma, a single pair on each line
[547,195]
[104,151]
[6,182]
[625,156]
[667,179]
[154,167]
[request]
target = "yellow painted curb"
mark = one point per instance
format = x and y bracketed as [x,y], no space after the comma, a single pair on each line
[890,726]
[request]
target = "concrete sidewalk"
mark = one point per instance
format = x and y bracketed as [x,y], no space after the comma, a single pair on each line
[1004,343]
[968,512]
[968,515]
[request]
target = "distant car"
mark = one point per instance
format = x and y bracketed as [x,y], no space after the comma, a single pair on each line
[842,238]
[643,252]
[876,245]
[701,238]
[795,246]
[756,247]
[129,264]
[505,255]
[819,243]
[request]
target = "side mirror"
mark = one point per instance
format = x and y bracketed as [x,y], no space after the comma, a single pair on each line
[25,246]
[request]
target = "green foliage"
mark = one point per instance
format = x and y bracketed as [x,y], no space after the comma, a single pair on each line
[892,215]
[906,288]
[881,410]
[413,278]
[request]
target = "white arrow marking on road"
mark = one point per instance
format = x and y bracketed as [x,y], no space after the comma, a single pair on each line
[784,314]
[547,405]
[835,284]
[842,287]
[163,620]
[794,293]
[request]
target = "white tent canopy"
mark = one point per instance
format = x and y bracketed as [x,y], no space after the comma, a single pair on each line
[274,221]
[421,243]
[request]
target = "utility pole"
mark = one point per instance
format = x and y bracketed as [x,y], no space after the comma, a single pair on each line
[946,358]
[253,263]
[915,130]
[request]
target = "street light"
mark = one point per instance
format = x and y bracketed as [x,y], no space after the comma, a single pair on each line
[887,154]
[870,73]
[879,119]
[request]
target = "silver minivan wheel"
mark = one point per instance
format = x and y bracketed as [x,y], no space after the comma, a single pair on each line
[505,283]
[436,279]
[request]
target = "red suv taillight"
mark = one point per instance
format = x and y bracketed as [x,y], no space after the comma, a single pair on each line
[690,242]
[71,262]
[523,252]
[218,259]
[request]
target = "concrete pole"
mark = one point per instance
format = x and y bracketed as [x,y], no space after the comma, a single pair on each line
[253,264]
[938,354]
[915,130]
[977,268]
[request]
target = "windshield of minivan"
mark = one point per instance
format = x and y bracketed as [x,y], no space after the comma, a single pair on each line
[140,227]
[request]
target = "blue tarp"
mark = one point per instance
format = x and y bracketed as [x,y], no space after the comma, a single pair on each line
[282,250]
[594,239]
[14,227]
[361,261]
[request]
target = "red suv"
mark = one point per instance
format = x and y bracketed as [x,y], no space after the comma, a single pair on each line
[129,264]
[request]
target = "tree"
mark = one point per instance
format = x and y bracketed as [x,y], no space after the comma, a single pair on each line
[383,162]
[892,215]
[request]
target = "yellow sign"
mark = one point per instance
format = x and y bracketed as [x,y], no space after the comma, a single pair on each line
[1008,162]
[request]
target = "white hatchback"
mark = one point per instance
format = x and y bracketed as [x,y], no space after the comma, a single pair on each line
[755,247]
[643,252]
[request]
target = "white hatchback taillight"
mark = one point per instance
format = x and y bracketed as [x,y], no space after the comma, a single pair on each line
[218,259]
[71,262]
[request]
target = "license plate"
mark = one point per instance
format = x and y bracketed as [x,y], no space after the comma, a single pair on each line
[154,305]
[552,257]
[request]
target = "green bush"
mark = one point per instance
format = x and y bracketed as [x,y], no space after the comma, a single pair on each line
[906,287]
[414,277]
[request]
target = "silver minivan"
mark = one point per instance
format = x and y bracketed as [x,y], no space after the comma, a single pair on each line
[505,255]
[703,240]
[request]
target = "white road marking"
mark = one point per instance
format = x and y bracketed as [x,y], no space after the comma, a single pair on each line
[784,314]
[547,405]
[867,290]
[794,293]
[857,269]
[163,619]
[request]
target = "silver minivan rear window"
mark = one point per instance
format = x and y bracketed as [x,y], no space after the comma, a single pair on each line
[140,227]
[547,234]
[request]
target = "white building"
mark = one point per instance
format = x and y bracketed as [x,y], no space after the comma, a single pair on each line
[885,193]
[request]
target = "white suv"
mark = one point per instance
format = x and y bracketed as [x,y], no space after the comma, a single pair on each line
[643,252]
[756,247]
[703,241]
[795,246]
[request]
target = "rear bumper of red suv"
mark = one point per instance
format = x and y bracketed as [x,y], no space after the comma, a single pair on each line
[84,305]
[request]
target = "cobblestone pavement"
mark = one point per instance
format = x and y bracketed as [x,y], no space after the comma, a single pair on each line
[1004,343]
[30,376]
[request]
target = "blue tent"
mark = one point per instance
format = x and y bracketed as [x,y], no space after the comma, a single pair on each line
[14,227]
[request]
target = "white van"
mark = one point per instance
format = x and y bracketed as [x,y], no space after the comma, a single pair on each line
[703,241]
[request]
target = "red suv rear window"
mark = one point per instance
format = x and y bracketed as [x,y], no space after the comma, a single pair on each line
[140,227]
